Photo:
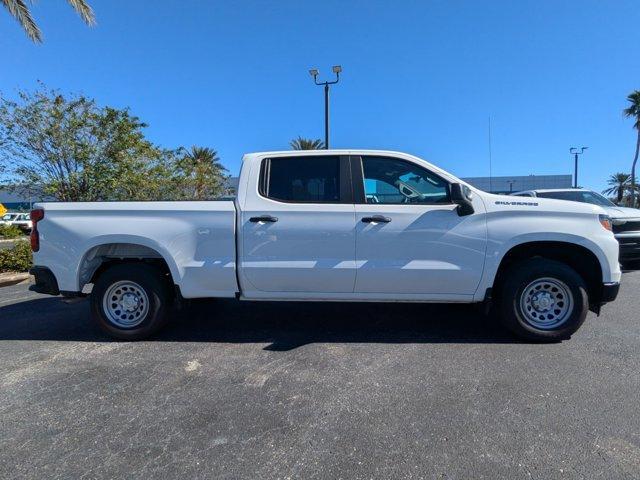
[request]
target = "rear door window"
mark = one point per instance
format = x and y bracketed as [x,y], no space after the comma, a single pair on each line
[302,179]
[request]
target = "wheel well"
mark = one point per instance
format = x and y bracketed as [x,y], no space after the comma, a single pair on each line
[100,258]
[580,258]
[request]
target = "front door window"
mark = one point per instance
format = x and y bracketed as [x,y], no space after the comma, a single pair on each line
[394,181]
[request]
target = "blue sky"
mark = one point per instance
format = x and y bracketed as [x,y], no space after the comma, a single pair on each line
[419,76]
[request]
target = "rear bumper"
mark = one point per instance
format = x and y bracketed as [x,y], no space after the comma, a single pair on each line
[45,281]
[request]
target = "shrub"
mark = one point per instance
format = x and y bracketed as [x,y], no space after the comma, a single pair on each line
[10,231]
[16,259]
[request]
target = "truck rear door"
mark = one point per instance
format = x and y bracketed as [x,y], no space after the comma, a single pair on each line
[298,229]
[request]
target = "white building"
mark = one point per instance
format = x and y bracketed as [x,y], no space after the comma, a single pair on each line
[517,183]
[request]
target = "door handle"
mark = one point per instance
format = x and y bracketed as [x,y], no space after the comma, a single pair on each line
[263,218]
[376,219]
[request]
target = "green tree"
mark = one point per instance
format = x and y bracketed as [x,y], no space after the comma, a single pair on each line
[618,185]
[306,144]
[633,111]
[200,173]
[20,11]
[69,148]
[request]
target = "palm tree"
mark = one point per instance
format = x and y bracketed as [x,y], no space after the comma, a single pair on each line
[201,165]
[20,11]
[633,111]
[619,184]
[306,144]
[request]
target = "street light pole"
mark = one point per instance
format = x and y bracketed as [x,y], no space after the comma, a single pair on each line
[314,73]
[326,116]
[574,151]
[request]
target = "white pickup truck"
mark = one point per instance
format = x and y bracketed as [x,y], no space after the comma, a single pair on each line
[333,225]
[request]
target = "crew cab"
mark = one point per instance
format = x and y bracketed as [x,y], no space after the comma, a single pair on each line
[333,225]
[625,220]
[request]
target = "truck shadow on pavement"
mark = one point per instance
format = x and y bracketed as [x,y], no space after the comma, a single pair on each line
[283,325]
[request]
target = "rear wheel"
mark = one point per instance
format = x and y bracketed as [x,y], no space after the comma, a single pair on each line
[543,300]
[131,301]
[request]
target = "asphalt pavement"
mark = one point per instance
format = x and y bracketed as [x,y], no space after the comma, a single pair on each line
[235,390]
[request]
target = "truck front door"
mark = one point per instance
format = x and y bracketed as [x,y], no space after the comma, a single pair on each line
[410,240]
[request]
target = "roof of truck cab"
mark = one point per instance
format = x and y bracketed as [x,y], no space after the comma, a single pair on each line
[342,151]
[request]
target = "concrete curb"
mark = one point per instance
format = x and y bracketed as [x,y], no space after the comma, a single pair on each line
[10,278]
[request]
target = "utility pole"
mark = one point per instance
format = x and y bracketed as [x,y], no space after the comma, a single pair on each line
[490,159]
[574,151]
[314,73]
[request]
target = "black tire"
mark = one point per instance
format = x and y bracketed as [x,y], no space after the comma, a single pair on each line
[570,314]
[152,315]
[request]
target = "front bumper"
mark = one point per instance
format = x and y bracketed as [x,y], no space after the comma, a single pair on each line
[45,281]
[609,292]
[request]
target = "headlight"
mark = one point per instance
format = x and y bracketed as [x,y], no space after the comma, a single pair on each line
[605,221]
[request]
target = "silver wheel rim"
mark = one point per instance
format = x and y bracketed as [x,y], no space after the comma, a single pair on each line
[125,304]
[546,303]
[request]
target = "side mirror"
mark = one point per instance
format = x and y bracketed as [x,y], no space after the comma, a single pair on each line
[461,196]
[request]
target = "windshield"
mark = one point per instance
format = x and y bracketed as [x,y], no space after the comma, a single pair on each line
[9,216]
[601,200]
[583,196]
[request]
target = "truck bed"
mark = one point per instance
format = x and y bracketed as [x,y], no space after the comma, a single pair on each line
[195,238]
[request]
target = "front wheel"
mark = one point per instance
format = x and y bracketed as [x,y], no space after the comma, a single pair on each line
[543,300]
[131,301]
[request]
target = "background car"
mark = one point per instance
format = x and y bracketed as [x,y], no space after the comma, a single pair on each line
[23,222]
[626,221]
[8,218]
[20,220]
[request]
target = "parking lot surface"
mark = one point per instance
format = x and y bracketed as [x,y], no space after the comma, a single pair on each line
[294,390]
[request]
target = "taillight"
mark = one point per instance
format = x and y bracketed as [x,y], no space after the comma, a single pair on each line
[36,216]
[605,221]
